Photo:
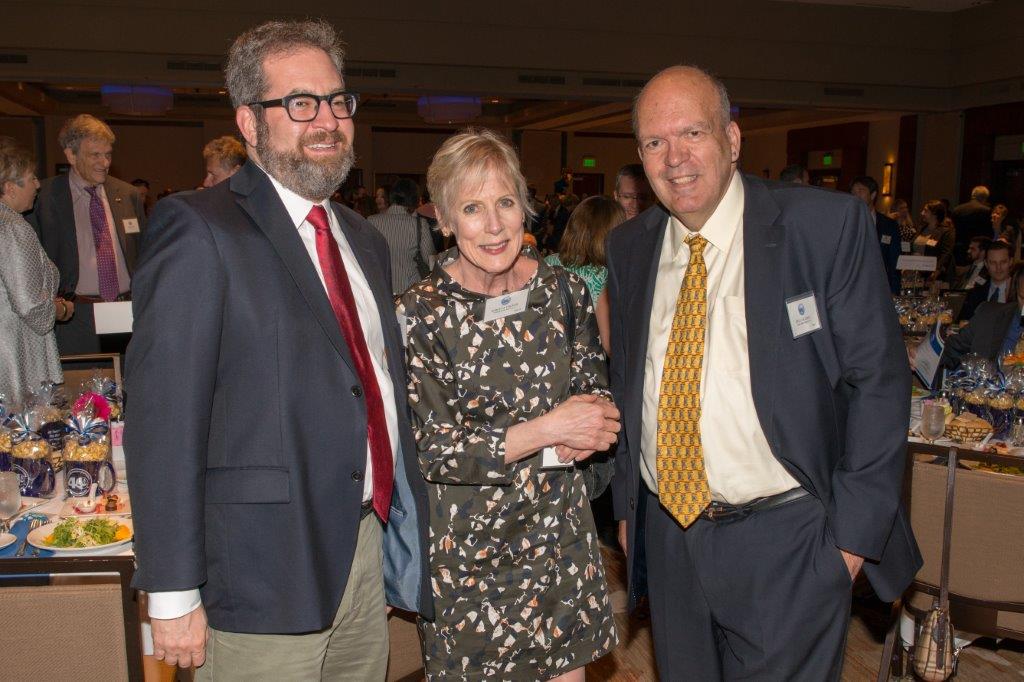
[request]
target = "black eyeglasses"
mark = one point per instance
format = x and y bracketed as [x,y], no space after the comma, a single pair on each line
[303,107]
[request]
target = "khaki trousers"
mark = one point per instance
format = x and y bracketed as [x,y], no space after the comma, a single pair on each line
[354,647]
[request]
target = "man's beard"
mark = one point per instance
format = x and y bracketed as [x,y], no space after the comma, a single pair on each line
[313,180]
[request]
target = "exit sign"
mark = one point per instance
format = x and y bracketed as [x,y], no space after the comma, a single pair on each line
[827,159]
[589,162]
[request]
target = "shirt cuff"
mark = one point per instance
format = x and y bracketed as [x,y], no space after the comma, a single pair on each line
[167,605]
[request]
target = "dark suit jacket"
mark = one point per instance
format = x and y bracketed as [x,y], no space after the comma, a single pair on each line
[247,438]
[971,219]
[975,297]
[833,404]
[886,227]
[983,335]
[53,216]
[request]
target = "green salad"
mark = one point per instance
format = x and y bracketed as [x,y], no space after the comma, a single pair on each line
[74,533]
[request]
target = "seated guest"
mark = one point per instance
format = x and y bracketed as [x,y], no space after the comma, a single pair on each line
[865,188]
[976,273]
[28,283]
[1008,230]
[993,331]
[996,288]
[223,156]
[937,238]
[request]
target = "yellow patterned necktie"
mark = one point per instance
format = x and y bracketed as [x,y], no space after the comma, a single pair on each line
[682,482]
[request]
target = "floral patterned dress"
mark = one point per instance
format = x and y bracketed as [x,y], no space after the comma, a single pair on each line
[518,585]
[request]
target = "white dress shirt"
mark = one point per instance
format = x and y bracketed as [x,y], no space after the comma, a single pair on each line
[178,603]
[999,290]
[739,463]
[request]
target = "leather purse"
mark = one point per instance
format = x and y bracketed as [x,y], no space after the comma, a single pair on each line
[934,654]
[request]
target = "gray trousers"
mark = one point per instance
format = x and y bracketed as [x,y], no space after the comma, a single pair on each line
[354,647]
[765,597]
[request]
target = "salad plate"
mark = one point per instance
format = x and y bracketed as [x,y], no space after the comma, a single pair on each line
[95,534]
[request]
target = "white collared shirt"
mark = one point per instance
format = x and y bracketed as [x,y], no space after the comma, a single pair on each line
[739,463]
[178,603]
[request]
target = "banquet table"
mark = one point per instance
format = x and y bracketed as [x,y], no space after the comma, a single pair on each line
[119,562]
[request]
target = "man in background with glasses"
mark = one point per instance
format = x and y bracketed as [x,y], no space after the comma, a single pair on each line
[272,467]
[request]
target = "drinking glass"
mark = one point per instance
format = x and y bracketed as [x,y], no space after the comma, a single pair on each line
[933,421]
[1016,437]
[10,496]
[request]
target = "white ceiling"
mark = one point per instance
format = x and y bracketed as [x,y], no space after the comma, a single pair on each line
[916,5]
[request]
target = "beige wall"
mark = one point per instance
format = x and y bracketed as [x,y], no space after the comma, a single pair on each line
[883,146]
[541,152]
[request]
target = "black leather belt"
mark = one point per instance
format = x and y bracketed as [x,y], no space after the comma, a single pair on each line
[722,511]
[366,509]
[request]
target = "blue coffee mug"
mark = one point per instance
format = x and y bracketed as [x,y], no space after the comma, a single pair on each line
[35,476]
[79,475]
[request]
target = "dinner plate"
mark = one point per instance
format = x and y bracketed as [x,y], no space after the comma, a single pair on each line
[35,538]
[6,539]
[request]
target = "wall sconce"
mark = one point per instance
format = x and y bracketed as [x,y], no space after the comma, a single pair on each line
[887,180]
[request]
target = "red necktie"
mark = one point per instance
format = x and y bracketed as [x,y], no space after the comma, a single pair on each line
[339,290]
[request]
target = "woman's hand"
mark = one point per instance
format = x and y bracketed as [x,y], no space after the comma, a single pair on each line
[585,424]
[65,309]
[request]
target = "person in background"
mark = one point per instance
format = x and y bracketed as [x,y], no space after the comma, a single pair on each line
[972,218]
[141,186]
[89,224]
[865,188]
[1007,230]
[519,584]
[908,229]
[223,156]
[408,236]
[976,273]
[996,288]
[380,199]
[632,190]
[28,283]
[795,173]
[937,238]
[993,331]
[581,251]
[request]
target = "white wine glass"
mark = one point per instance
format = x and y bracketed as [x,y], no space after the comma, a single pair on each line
[10,497]
[933,421]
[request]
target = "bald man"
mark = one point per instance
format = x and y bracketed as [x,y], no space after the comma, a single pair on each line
[764,391]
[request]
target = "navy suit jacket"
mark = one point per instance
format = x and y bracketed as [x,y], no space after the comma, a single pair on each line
[53,216]
[984,334]
[246,443]
[834,404]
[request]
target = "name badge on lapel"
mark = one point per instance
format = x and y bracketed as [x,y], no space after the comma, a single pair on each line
[803,314]
[905,247]
[131,225]
[887,239]
[506,304]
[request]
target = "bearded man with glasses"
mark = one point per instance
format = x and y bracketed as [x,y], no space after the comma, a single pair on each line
[273,467]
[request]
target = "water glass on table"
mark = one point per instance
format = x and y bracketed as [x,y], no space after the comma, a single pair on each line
[933,421]
[10,497]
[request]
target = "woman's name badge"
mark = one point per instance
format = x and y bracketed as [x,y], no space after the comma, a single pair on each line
[886,239]
[803,314]
[549,460]
[506,304]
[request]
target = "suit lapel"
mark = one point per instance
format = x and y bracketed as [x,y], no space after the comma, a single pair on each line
[258,198]
[763,267]
[118,212]
[645,254]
